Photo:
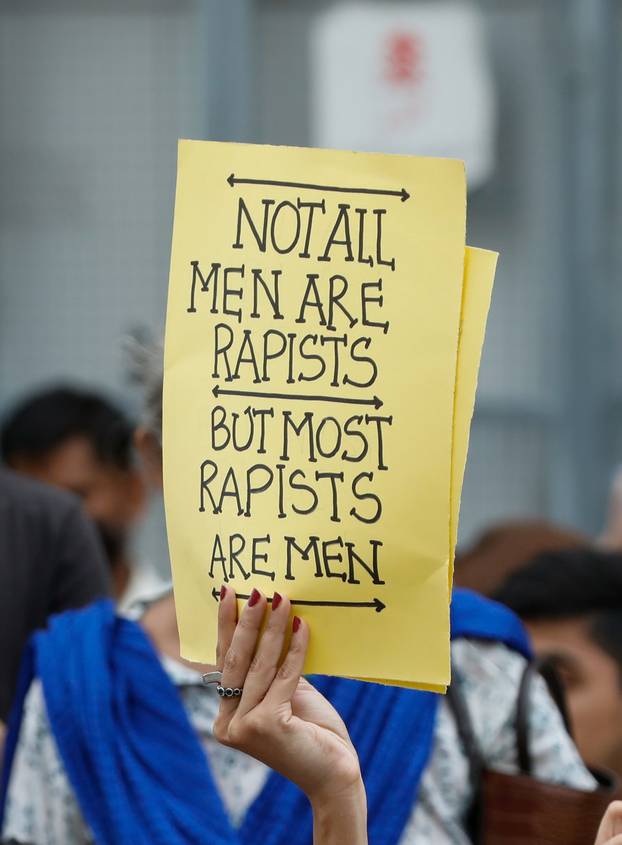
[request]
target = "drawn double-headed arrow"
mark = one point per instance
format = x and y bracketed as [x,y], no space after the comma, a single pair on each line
[221,391]
[307,186]
[378,605]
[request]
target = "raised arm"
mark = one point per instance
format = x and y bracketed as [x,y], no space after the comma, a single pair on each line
[282,720]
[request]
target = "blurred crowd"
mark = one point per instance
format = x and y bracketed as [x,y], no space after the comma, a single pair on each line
[76,478]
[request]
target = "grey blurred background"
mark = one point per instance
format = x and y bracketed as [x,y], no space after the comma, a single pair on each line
[93,97]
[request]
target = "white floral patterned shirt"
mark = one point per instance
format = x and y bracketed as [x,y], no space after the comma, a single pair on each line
[42,808]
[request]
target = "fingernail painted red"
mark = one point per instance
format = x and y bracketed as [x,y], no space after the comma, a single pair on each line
[277,598]
[255,595]
[296,624]
[223,592]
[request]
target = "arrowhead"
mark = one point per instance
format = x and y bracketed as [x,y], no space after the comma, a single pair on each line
[215,391]
[380,606]
[405,195]
[215,593]
[231,181]
[378,403]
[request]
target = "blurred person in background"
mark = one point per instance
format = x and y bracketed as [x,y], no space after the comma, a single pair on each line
[571,602]
[507,546]
[50,560]
[51,801]
[79,441]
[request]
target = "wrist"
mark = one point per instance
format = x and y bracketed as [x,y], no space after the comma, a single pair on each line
[340,815]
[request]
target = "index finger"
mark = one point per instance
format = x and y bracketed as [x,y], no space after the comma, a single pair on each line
[227,620]
[286,680]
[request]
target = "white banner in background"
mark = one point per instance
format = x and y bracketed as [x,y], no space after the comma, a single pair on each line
[399,78]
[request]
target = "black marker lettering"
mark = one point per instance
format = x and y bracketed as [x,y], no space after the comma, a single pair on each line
[273,296]
[311,299]
[219,415]
[363,359]
[311,206]
[221,347]
[311,357]
[290,358]
[227,292]
[365,300]
[253,489]
[352,432]
[262,413]
[281,514]
[306,421]
[261,556]
[326,558]
[379,423]
[283,250]
[304,554]
[372,569]
[300,486]
[364,496]
[333,478]
[335,341]
[209,471]
[236,549]
[369,260]
[196,274]
[321,446]
[246,345]
[260,239]
[218,557]
[276,352]
[379,260]
[242,447]
[230,490]
[342,219]
[335,299]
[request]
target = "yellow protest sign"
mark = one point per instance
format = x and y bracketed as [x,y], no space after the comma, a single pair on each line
[310,370]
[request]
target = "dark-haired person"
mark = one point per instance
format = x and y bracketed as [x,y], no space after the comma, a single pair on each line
[79,441]
[505,547]
[571,602]
[50,560]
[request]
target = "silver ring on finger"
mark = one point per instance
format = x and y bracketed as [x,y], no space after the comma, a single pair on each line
[229,692]
[211,677]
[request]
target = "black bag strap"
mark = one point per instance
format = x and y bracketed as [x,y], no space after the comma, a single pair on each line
[470,746]
[464,726]
[545,667]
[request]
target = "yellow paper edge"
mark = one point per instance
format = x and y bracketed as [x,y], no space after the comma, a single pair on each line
[478,280]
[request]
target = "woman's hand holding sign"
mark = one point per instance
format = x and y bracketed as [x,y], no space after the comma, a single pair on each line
[282,720]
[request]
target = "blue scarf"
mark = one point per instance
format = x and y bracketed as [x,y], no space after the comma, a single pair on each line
[139,772]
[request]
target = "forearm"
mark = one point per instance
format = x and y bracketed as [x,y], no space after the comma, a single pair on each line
[340,818]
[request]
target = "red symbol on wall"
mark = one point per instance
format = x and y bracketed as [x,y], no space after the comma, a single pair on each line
[403,58]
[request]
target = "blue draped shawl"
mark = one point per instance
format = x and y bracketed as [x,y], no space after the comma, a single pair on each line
[136,764]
